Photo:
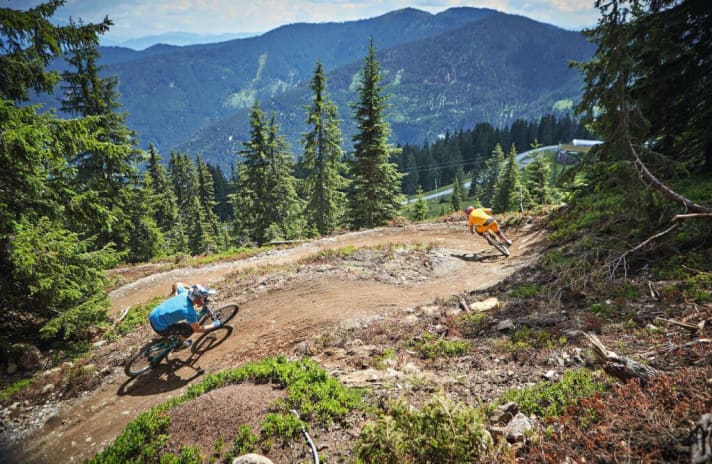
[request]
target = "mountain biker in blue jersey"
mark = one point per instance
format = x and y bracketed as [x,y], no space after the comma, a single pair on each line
[178,316]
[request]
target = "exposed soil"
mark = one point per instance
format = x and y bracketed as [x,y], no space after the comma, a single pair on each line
[341,310]
[279,312]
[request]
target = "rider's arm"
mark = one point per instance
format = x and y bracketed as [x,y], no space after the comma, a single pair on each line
[174,288]
[200,328]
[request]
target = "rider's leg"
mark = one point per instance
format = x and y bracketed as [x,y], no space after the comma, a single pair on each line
[495,229]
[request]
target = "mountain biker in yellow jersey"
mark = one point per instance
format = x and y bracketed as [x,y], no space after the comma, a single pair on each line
[481,220]
[178,316]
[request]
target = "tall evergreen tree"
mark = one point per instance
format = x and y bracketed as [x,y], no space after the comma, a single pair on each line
[108,172]
[323,160]
[162,202]
[537,181]
[206,200]
[374,197]
[510,193]
[456,198]
[288,221]
[491,174]
[266,202]
[47,271]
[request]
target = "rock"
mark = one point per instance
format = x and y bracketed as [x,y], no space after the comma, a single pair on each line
[251,459]
[25,355]
[505,326]
[47,388]
[504,413]
[485,305]
[518,428]
[11,367]
[549,375]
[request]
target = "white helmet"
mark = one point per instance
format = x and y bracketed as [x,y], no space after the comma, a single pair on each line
[198,291]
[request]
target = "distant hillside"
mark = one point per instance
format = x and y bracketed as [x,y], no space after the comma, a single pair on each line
[175,38]
[493,70]
[444,71]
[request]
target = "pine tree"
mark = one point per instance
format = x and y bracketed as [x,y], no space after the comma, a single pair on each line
[323,160]
[510,193]
[108,171]
[50,274]
[289,222]
[266,203]
[420,207]
[206,201]
[374,197]
[537,181]
[161,200]
[491,174]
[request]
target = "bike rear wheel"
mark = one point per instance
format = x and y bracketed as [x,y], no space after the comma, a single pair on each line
[497,244]
[147,358]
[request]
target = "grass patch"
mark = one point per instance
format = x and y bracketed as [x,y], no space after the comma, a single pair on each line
[320,399]
[136,317]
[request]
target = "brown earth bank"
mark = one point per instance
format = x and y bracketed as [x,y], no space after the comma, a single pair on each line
[342,310]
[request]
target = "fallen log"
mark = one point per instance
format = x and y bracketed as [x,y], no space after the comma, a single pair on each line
[620,367]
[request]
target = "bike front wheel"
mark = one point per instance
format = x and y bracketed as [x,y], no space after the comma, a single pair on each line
[497,244]
[146,359]
[226,312]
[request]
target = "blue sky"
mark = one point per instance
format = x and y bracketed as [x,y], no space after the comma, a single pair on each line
[138,18]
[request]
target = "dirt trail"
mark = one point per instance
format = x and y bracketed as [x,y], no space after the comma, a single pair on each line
[270,323]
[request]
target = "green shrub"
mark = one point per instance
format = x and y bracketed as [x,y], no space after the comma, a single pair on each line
[471,324]
[547,399]
[430,348]
[442,432]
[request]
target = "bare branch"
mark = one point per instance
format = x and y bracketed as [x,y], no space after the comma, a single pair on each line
[644,173]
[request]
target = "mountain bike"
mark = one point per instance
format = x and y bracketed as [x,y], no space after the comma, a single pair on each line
[496,242]
[151,354]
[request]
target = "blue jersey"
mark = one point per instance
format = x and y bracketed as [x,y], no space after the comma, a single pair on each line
[175,309]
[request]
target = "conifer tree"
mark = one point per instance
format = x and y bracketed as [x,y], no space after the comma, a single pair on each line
[266,203]
[490,176]
[323,160]
[420,207]
[51,275]
[287,211]
[162,201]
[537,181]
[374,196]
[206,201]
[510,193]
[108,172]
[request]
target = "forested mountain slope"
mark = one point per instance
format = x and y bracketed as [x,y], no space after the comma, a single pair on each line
[495,70]
[171,92]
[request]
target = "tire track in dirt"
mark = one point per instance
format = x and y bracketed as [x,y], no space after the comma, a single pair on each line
[271,322]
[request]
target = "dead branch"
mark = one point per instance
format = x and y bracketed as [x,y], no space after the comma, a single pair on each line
[644,174]
[617,262]
[122,316]
[620,367]
[691,216]
[687,326]
[701,439]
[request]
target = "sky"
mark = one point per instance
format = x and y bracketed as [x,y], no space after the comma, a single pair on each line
[140,18]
